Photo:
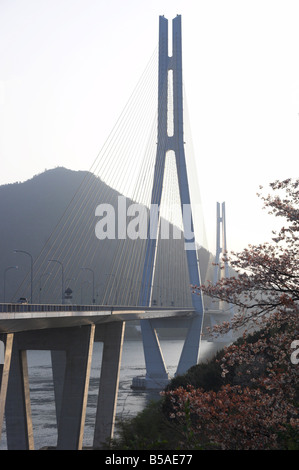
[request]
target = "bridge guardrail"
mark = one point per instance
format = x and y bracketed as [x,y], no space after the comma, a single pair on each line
[19,308]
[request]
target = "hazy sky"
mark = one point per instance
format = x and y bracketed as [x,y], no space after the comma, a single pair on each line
[67,68]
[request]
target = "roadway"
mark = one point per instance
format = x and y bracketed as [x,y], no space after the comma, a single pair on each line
[28,317]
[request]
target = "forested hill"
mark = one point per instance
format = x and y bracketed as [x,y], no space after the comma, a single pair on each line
[30,212]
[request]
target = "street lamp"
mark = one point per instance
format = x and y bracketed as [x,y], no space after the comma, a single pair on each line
[26,253]
[89,269]
[5,271]
[62,277]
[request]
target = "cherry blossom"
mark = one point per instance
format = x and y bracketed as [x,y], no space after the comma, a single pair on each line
[259,397]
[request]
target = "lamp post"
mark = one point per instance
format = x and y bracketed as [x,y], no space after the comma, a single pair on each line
[5,271]
[62,277]
[89,269]
[31,259]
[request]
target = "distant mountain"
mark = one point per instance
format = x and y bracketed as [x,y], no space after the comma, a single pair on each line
[52,216]
[29,211]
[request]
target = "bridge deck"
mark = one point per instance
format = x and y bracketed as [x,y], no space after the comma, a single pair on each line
[20,317]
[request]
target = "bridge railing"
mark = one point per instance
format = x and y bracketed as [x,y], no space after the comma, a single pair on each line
[15,308]
[18,308]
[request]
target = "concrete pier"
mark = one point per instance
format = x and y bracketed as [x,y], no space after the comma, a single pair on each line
[69,333]
[112,336]
[7,341]
[71,362]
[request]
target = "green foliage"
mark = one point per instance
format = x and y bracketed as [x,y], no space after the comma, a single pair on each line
[150,429]
[206,376]
[289,439]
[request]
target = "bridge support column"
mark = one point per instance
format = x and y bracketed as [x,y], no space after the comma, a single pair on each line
[112,335]
[19,430]
[75,389]
[58,359]
[6,342]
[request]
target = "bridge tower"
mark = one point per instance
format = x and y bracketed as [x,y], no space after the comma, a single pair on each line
[222,311]
[221,247]
[170,75]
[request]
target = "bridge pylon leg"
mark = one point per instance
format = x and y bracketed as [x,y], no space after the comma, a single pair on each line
[157,375]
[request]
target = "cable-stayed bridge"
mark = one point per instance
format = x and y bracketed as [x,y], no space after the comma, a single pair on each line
[132,238]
